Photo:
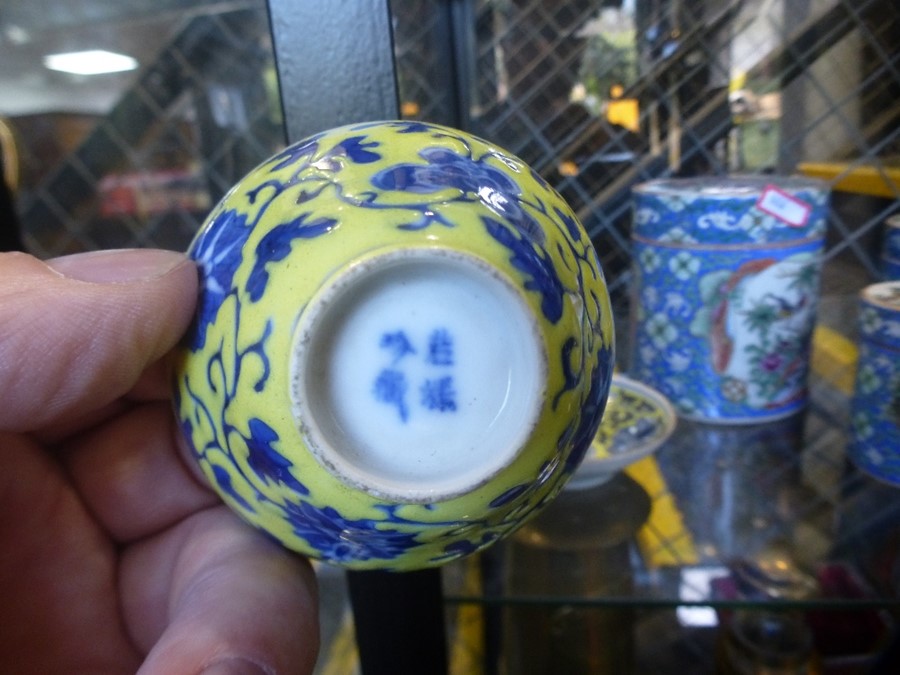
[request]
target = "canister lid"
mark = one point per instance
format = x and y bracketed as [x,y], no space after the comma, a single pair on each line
[879,318]
[731,210]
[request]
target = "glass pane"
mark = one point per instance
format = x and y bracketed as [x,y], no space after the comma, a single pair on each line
[600,95]
[133,158]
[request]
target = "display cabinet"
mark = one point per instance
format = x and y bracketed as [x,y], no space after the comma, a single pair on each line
[733,549]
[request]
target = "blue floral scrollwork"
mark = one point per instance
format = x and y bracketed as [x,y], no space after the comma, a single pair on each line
[276,245]
[445,169]
[218,252]
[266,461]
[448,172]
[536,264]
[344,540]
[223,480]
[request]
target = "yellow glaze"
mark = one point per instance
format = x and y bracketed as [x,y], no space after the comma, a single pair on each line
[295,224]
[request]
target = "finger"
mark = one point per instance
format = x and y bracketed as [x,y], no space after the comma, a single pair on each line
[213,591]
[60,610]
[154,384]
[78,331]
[131,475]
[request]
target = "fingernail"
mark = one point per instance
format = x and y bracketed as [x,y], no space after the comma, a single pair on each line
[121,265]
[234,666]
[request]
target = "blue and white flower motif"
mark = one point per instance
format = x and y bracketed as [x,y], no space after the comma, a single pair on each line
[875,456]
[686,405]
[869,320]
[218,251]
[647,353]
[677,305]
[645,216]
[867,379]
[343,540]
[661,331]
[649,259]
[673,202]
[679,361]
[862,425]
[650,296]
[758,225]
[892,329]
[684,265]
[885,364]
[677,235]
[720,220]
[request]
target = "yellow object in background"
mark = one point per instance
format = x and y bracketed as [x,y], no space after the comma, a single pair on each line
[834,359]
[663,540]
[876,181]
[625,112]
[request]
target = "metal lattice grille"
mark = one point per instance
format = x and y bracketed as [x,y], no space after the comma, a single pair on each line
[146,174]
[714,87]
[598,95]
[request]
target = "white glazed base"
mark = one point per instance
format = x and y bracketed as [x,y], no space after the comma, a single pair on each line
[418,374]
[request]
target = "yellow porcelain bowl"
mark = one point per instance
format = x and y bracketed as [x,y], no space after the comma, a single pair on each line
[403,346]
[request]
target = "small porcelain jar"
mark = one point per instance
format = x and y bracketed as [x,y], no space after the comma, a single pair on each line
[725,291]
[403,345]
[875,412]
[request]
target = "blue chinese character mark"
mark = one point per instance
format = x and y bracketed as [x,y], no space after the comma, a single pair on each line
[438,394]
[390,387]
[440,348]
[398,344]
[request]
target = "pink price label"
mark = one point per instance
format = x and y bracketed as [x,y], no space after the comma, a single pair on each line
[787,208]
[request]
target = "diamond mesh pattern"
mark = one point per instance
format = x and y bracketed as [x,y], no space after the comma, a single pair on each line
[534,76]
[203,104]
[721,86]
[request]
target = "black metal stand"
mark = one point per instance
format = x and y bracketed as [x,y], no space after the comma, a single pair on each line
[400,628]
[335,63]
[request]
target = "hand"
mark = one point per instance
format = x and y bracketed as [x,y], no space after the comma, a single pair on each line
[114,556]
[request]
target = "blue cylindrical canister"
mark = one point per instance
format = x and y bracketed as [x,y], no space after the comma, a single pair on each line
[726,285]
[890,269]
[875,412]
[890,249]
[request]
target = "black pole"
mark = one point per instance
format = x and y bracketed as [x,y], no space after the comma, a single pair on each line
[400,628]
[335,63]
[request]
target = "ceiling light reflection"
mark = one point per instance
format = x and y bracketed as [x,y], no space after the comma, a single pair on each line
[90,62]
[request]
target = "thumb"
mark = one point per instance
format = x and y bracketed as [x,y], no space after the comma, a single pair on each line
[77,332]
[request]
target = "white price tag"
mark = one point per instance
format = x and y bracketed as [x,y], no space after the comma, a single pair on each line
[787,208]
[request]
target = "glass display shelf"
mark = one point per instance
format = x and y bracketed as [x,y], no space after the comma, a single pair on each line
[721,517]
[733,549]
